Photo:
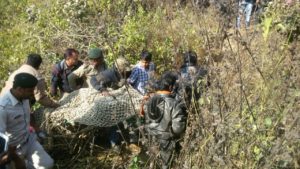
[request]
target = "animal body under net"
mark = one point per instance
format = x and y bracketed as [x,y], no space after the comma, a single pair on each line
[87,106]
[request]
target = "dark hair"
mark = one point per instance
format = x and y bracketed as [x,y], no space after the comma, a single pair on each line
[166,80]
[34,60]
[147,56]
[190,58]
[24,80]
[69,52]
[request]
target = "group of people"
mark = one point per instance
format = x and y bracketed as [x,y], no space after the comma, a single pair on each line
[165,111]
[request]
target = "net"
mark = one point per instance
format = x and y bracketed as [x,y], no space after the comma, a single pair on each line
[87,106]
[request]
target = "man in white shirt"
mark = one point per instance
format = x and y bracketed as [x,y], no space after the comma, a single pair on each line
[15,121]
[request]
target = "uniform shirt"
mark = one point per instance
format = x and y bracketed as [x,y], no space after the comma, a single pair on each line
[14,118]
[60,74]
[90,73]
[40,94]
[139,78]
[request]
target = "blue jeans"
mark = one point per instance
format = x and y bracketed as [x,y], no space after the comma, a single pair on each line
[246,9]
[113,135]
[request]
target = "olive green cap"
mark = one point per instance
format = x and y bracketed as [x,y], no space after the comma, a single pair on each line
[95,53]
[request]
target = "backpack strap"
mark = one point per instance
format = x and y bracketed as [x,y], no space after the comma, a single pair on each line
[60,66]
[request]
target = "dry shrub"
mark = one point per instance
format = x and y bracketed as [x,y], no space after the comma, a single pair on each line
[249,116]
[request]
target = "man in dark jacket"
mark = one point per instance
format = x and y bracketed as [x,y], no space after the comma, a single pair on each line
[190,78]
[115,77]
[165,118]
[62,69]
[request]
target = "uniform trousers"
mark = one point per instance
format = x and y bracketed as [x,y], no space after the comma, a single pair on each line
[34,154]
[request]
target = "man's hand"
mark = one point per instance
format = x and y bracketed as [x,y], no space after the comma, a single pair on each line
[104,93]
[8,155]
[41,134]
[122,82]
[18,161]
[55,105]
[4,158]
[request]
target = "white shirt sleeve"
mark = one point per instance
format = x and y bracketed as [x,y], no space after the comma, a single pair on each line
[3,120]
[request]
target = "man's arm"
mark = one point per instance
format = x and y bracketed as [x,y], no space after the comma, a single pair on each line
[133,77]
[3,124]
[4,159]
[3,119]
[12,156]
[33,122]
[179,117]
[78,73]
[18,161]
[41,95]
[55,80]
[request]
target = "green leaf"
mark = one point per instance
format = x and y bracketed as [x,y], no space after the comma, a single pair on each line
[266,27]
[201,101]
[256,150]
[268,121]
[281,27]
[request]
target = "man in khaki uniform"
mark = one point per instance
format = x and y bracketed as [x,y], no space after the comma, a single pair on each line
[90,71]
[32,65]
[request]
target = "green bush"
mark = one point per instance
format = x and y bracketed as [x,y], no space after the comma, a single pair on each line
[246,118]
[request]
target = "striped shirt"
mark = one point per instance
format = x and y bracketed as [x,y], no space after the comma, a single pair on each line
[139,78]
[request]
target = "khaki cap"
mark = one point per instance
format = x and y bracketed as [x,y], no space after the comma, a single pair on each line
[122,64]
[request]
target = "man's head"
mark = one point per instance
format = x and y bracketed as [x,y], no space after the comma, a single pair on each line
[167,81]
[190,58]
[145,59]
[23,85]
[34,60]
[122,65]
[96,57]
[71,57]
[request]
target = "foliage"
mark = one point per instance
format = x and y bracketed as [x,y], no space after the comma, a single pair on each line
[134,163]
[283,18]
[247,118]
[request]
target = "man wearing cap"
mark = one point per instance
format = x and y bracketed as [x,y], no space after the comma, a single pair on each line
[32,65]
[15,120]
[89,71]
[116,76]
